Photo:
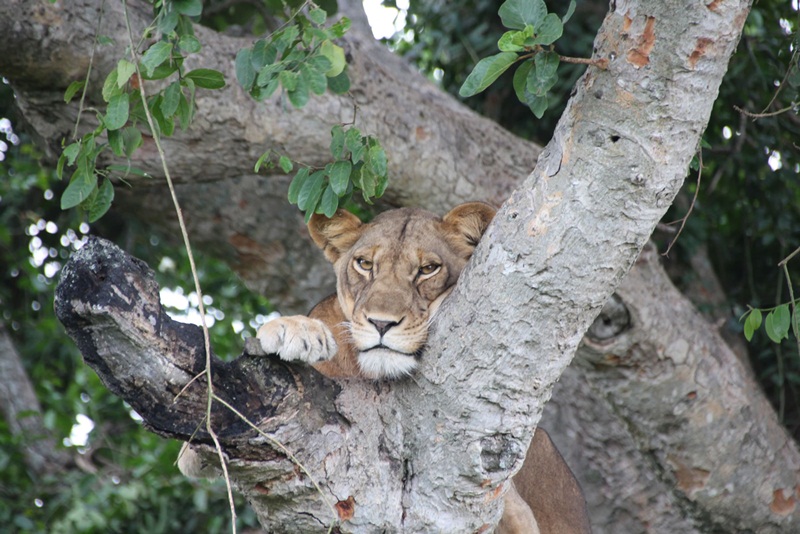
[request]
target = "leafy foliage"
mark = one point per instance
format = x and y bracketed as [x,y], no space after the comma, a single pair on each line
[532,28]
[90,187]
[302,58]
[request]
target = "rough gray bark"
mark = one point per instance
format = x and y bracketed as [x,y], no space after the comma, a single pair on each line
[689,410]
[562,243]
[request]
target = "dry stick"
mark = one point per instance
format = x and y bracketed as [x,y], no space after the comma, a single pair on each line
[187,245]
[691,206]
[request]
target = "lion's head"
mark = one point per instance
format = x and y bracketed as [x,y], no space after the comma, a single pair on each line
[392,275]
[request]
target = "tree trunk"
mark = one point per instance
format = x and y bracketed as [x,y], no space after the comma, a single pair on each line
[701,450]
[435,453]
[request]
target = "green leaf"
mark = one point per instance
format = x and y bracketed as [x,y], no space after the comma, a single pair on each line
[783,320]
[131,140]
[337,141]
[485,72]
[285,164]
[538,105]
[367,182]
[172,97]
[72,90]
[543,77]
[315,79]
[81,186]
[329,202]
[270,88]
[167,21]
[245,72]
[318,62]
[127,169]
[71,152]
[207,78]
[777,323]
[339,84]
[339,176]
[110,87]
[285,38]
[268,73]
[796,322]
[308,197]
[299,97]
[184,112]
[157,54]
[317,16]
[521,80]
[297,184]
[334,54]
[340,28]
[516,14]
[166,69]
[354,143]
[190,8]
[116,112]
[125,70]
[189,44]
[548,32]
[288,79]
[377,160]
[116,143]
[264,157]
[752,323]
[102,201]
[264,53]
[570,11]
[512,41]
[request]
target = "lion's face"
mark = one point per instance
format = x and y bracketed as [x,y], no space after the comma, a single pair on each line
[393,274]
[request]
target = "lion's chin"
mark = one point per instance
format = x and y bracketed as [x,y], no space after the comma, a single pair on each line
[386,363]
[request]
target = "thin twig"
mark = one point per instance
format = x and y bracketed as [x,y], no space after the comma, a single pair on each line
[763,115]
[783,82]
[600,63]
[691,206]
[188,246]
[89,70]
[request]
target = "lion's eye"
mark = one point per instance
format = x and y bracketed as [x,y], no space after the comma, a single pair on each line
[364,264]
[430,268]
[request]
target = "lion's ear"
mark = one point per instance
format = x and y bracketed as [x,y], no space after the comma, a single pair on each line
[467,223]
[336,235]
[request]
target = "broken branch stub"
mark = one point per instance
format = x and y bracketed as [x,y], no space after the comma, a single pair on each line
[109,304]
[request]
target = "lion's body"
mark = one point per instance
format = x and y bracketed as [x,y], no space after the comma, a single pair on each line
[392,275]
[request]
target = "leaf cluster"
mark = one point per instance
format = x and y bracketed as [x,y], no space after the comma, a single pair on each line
[301,59]
[531,28]
[120,126]
[779,322]
[359,164]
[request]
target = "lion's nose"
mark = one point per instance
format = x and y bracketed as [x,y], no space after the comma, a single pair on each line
[383,326]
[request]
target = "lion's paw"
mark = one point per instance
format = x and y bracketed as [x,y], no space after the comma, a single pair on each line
[297,339]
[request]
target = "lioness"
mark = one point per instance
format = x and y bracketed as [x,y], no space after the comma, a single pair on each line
[392,275]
